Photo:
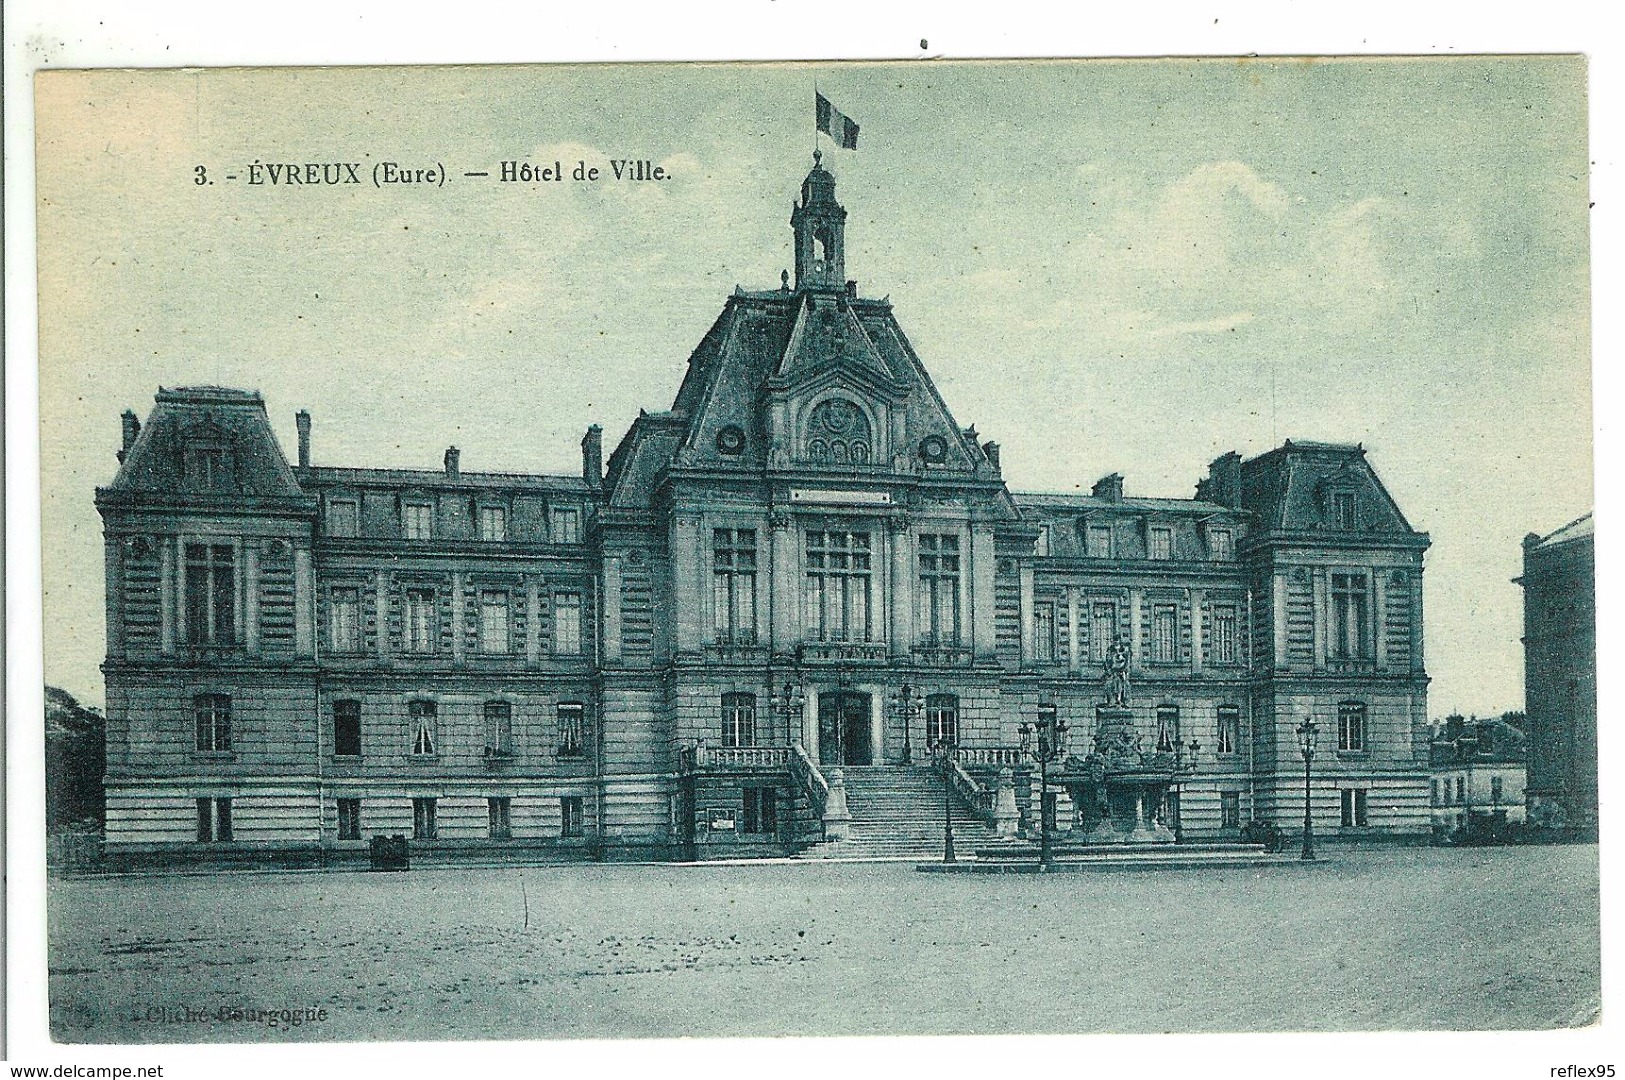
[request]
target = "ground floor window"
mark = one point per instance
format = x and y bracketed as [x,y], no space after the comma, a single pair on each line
[423,824]
[1354,807]
[572,816]
[499,808]
[941,719]
[349,819]
[214,820]
[761,810]
[1229,809]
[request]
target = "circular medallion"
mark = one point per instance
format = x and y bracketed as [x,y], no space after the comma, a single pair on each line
[731,441]
[934,449]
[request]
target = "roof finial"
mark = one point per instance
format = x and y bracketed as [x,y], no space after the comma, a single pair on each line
[818,156]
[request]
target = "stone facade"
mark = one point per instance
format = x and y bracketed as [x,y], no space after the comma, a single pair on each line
[676,652]
[1560,676]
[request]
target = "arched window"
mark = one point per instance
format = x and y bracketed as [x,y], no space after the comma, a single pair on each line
[838,431]
[738,719]
[941,719]
[1351,730]
[208,461]
[211,715]
[1167,727]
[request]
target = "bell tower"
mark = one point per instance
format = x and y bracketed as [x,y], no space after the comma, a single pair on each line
[820,225]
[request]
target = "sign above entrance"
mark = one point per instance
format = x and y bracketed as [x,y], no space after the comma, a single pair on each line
[843,498]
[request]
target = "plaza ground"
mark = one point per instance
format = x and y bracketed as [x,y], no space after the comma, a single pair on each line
[1369,939]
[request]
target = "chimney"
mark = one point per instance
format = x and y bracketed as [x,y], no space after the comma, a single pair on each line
[1223,482]
[453,462]
[1109,488]
[991,449]
[302,420]
[592,456]
[131,428]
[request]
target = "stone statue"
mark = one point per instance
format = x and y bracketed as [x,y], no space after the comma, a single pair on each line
[1115,683]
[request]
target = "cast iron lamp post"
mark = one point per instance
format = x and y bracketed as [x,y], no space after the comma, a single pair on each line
[1180,749]
[787,705]
[907,705]
[942,751]
[1050,741]
[1306,746]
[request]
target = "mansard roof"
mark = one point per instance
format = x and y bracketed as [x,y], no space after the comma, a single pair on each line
[1080,503]
[320,476]
[1290,488]
[213,417]
[1578,529]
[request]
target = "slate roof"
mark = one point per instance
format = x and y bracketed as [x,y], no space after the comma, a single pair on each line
[1578,529]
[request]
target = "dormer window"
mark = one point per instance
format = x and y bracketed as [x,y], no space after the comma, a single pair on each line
[207,460]
[1041,545]
[417,521]
[1221,544]
[1098,541]
[493,523]
[1160,545]
[1343,510]
[343,518]
[566,525]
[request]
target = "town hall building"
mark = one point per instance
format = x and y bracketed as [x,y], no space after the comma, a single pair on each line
[796,612]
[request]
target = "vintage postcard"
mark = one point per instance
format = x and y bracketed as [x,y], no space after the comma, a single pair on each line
[1007,547]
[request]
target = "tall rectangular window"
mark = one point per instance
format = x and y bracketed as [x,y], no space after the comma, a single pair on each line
[1229,809]
[211,595]
[214,820]
[500,809]
[211,715]
[425,727]
[1044,632]
[344,620]
[1164,633]
[1224,632]
[1433,789]
[417,521]
[1098,542]
[738,719]
[419,619]
[423,819]
[838,570]
[1351,734]
[1167,727]
[494,621]
[498,729]
[572,724]
[1041,546]
[1102,629]
[1229,733]
[572,816]
[941,719]
[1354,807]
[347,728]
[1461,790]
[565,524]
[939,589]
[733,585]
[1497,790]
[761,811]
[567,623]
[1343,509]
[1349,630]
[349,819]
[1161,543]
[493,523]
[343,518]
[1221,545]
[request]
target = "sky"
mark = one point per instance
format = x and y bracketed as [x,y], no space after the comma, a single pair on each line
[1107,266]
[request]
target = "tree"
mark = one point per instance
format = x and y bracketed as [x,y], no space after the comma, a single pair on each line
[75,762]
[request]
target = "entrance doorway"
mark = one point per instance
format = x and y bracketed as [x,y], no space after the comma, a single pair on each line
[843,728]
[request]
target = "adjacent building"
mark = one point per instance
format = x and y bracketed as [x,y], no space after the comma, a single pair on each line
[1478,774]
[1560,676]
[745,631]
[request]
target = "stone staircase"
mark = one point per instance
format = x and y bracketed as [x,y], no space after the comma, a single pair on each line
[897,814]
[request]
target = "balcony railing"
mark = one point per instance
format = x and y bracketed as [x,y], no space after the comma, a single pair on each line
[942,656]
[776,758]
[843,652]
[994,756]
[735,652]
